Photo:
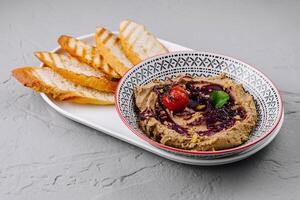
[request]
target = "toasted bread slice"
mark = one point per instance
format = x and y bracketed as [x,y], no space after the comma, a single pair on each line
[48,81]
[138,43]
[78,72]
[87,54]
[110,48]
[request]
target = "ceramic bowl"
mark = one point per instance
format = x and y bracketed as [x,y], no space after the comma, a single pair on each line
[202,64]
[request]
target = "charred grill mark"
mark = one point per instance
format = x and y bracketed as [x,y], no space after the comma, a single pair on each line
[61,60]
[109,69]
[137,38]
[101,60]
[130,32]
[125,26]
[52,58]
[84,53]
[41,56]
[75,47]
[64,41]
[100,32]
[116,42]
[105,40]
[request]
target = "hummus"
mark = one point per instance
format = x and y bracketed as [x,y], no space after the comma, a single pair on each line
[200,126]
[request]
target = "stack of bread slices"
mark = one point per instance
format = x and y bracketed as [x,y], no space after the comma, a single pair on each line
[89,74]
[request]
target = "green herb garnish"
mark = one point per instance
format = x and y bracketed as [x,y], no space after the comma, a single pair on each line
[219,98]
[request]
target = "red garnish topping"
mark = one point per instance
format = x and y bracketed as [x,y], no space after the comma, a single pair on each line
[175,99]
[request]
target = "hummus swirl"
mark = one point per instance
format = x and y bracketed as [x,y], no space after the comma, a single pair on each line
[200,126]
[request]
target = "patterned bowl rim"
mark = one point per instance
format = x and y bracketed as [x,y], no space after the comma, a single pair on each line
[191,152]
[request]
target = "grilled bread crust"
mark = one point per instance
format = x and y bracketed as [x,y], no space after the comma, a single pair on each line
[87,54]
[77,72]
[110,48]
[138,43]
[47,81]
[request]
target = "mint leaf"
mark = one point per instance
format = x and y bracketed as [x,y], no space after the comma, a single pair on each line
[219,98]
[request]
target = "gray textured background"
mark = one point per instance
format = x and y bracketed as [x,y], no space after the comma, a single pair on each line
[46,156]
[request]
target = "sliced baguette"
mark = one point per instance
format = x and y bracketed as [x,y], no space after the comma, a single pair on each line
[48,81]
[138,43]
[110,48]
[78,72]
[87,54]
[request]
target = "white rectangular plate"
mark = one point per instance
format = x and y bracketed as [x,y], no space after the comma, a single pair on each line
[106,120]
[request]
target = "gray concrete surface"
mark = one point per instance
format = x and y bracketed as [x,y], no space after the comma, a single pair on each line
[46,156]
